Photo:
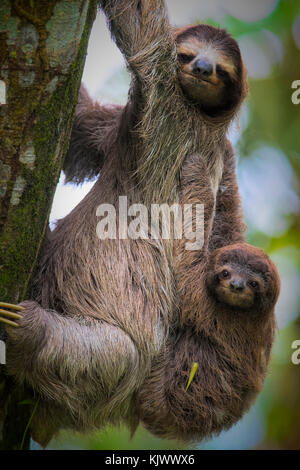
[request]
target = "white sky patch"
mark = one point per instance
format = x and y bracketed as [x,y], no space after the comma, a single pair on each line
[103,57]
[66,198]
[255,10]
[266,183]
[249,11]
[261,51]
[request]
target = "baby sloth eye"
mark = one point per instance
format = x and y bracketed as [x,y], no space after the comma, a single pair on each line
[185,58]
[225,274]
[253,284]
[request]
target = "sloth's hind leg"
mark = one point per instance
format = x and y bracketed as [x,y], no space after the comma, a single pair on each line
[78,363]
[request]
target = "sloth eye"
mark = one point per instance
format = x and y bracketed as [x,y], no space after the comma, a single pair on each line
[185,58]
[225,274]
[221,72]
[253,284]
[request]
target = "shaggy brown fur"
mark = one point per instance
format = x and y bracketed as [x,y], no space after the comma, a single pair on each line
[103,310]
[230,336]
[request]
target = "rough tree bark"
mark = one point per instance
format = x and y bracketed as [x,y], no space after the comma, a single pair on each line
[42,52]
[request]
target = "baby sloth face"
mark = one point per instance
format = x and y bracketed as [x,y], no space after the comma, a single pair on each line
[211,70]
[243,277]
[238,286]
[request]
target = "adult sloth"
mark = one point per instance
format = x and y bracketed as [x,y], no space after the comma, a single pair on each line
[101,310]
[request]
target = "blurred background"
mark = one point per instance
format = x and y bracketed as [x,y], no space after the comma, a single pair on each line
[267,143]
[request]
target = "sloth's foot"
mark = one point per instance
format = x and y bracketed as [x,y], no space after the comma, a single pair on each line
[10,314]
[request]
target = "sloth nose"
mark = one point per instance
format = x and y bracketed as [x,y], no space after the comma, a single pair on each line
[203,67]
[237,285]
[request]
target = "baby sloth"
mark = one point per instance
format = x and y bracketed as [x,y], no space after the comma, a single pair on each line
[243,277]
[237,299]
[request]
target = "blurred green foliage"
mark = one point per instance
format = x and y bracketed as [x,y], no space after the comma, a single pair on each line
[275,121]
[272,122]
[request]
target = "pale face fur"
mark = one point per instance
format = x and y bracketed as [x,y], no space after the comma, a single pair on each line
[211,71]
[205,89]
[237,286]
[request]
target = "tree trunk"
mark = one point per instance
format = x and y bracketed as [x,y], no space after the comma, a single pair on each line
[42,52]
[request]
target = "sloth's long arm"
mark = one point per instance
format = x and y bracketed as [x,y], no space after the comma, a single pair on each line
[142,32]
[94,127]
[70,360]
[161,118]
[229,225]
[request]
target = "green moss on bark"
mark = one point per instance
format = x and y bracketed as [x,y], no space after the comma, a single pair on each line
[34,134]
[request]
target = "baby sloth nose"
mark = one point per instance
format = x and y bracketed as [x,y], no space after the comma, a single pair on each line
[237,285]
[203,67]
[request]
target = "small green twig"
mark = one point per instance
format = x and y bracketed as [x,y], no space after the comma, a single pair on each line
[192,374]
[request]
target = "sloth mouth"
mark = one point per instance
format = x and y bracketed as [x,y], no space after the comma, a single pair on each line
[238,299]
[204,80]
[234,293]
[201,79]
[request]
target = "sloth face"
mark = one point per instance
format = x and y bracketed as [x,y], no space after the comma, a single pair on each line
[243,277]
[237,286]
[211,71]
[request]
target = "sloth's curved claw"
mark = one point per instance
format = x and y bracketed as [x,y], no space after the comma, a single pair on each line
[10,314]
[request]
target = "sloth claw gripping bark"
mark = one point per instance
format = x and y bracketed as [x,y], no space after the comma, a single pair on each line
[6,314]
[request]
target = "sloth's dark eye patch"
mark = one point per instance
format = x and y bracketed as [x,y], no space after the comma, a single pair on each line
[222,73]
[225,274]
[185,58]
